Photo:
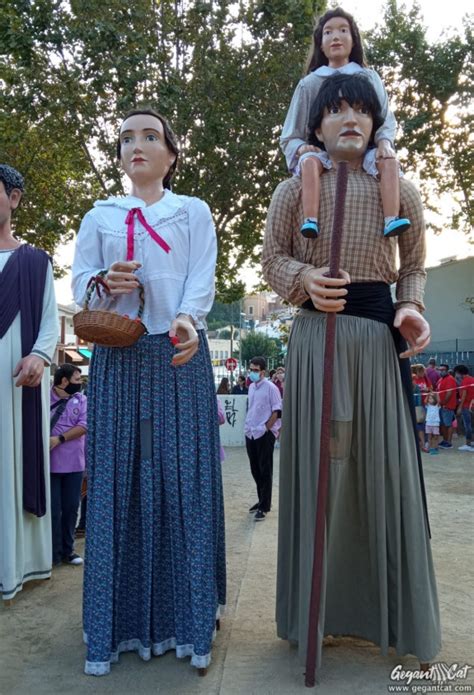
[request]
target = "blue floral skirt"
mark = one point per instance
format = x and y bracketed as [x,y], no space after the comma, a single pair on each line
[155,548]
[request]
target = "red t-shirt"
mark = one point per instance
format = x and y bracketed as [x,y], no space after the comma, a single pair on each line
[467,385]
[425,387]
[447,383]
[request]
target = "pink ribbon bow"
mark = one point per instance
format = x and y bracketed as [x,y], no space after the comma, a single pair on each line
[130,228]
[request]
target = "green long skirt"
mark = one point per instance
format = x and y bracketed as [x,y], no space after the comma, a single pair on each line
[378,577]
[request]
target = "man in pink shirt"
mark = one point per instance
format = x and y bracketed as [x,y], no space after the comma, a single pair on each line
[262,425]
[68,429]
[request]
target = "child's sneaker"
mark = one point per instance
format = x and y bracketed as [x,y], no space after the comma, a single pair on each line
[434,452]
[310,228]
[396,226]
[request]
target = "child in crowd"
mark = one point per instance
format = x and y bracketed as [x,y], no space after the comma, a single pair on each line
[432,422]
[337,47]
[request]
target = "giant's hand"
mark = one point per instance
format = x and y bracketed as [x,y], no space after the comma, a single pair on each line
[120,278]
[414,328]
[183,329]
[327,294]
[385,150]
[302,149]
[29,371]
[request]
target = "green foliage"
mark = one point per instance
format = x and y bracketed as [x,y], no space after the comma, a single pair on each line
[225,334]
[223,314]
[223,73]
[431,87]
[259,345]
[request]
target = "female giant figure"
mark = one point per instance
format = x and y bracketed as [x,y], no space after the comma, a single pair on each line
[155,557]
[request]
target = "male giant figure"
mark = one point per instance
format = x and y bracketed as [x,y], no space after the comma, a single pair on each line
[378,579]
[28,336]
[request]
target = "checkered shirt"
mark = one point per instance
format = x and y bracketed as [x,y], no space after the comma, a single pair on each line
[366,254]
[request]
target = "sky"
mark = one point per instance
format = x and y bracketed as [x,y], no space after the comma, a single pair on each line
[367,13]
[435,13]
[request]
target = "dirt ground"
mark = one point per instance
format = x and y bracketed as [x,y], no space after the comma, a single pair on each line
[41,650]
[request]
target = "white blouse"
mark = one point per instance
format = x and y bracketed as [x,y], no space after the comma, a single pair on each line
[181,281]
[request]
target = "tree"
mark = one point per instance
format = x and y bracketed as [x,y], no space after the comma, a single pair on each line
[223,314]
[259,345]
[431,87]
[223,73]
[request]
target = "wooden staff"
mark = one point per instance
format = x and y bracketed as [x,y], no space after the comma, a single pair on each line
[324,453]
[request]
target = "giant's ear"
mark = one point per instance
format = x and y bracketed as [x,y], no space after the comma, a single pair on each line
[319,134]
[15,197]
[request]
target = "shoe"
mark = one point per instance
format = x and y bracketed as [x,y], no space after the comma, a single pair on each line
[310,229]
[434,452]
[254,508]
[466,447]
[57,563]
[73,559]
[259,516]
[396,227]
[445,445]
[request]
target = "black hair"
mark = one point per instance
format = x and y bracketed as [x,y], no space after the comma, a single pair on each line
[444,365]
[355,89]
[170,138]
[461,369]
[259,362]
[11,179]
[65,370]
[316,57]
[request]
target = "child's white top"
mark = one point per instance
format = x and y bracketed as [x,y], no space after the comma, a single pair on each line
[432,415]
[181,281]
[294,131]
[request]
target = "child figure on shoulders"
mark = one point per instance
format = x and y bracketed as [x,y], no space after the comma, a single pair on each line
[337,47]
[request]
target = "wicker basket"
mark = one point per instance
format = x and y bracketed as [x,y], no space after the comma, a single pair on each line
[106,328]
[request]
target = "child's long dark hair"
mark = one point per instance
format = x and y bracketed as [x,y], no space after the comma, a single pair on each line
[170,138]
[316,57]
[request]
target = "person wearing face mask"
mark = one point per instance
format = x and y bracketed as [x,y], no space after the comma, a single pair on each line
[262,425]
[68,429]
[447,393]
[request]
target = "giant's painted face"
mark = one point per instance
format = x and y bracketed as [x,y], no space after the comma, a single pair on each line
[345,131]
[144,154]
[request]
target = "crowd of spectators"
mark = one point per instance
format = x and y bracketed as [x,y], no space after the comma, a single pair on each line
[444,402]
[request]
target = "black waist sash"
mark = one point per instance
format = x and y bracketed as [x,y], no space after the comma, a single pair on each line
[373,300]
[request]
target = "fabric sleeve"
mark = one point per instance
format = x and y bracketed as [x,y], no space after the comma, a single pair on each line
[412,248]
[388,129]
[199,288]
[88,262]
[82,416]
[275,398]
[220,412]
[280,269]
[48,334]
[294,133]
